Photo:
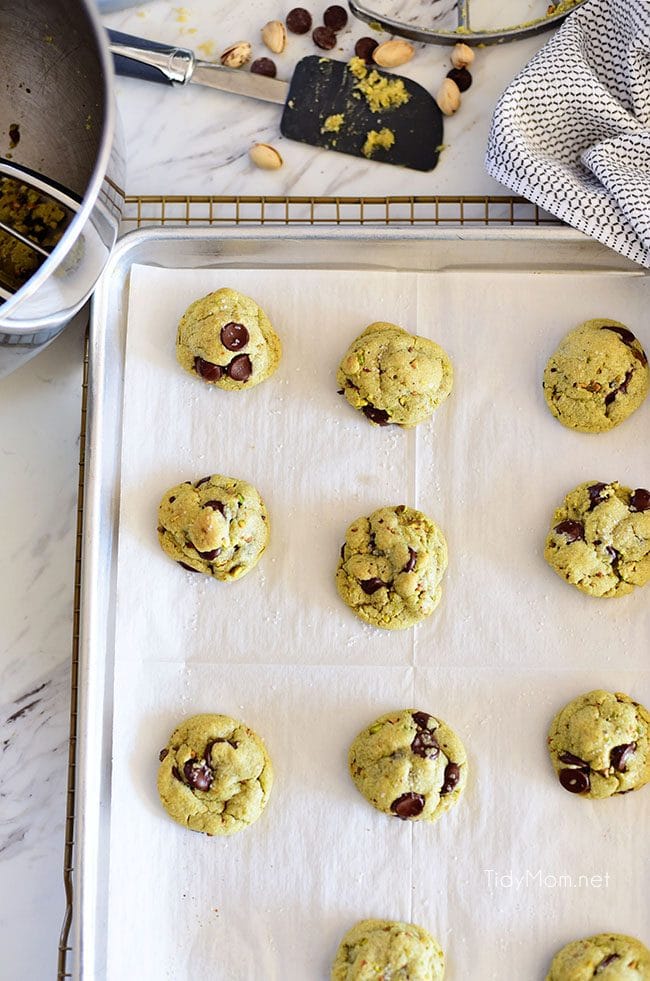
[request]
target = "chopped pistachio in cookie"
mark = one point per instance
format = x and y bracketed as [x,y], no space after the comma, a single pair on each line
[600,538]
[607,956]
[409,764]
[215,775]
[390,950]
[226,339]
[599,745]
[597,377]
[394,377]
[391,567]
[217,525]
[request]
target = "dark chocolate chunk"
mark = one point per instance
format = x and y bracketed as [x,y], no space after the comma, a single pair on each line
[364,48]
[209,556]
[177,773]
[640,500]
[621,388]
[575,781]
[263,66]
[370,586]
[380,416]
[421,719]
[325,38]
[573,530]
[595,495]
[298,20]
[186,566]
[620,756]
[343,551]
[240,368]
[626,335]
[572,760]
[216,506]
[235,336]
[452,776]
[425,744]
[198,774]
[408,806]
[605,963]
[613,554]
[172,499]
[335,17]
[163,753]
[203,480]
[410,565]
[461,77]
[211,372]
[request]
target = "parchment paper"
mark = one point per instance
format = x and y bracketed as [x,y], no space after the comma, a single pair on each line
[509,645]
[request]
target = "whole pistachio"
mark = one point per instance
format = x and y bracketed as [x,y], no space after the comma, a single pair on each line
[236,55]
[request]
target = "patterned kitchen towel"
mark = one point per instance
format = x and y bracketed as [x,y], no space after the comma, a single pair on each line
[572,131]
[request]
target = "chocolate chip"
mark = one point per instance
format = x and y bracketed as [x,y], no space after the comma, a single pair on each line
[198,774]
[340,391]
[188,567]
[640,356]
[216,506]
[209,556]
[240,368]
[410,565]
[626,335]
[177,773]
[380,416]
[208,748]
[203,480]
[620,756]
[452,776]
[171,500]
[408,806]
[572,760]
[425,744]
[370,586]
[621,388]
[263,66]
[421,719]
[605,963]
[343,552]
[335,17]
[461,77]
[574,530]
[325,38]
[298,20]
[235,336]
[211,372]
[163,753]
[613,554]
[595,494]
[575,781]
[640,500]
[365,47]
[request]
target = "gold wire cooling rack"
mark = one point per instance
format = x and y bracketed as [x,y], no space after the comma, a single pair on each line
[142,211]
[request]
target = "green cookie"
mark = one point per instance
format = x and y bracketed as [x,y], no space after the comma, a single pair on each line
[600,745]
[610,956]
[226,339]
[393,376]
[388,949]
[215,775]
[597,377]
[600,538]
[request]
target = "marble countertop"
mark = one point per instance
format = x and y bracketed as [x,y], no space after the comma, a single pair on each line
[184,141]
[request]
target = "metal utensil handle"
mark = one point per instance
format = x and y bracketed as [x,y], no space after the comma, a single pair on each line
[150,60]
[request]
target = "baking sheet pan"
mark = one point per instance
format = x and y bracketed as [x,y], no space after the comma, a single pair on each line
[508,646]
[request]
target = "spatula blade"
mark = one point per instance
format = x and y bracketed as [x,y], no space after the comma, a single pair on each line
[323,89]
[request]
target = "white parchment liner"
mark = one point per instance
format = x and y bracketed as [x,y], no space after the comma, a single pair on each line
[509,645]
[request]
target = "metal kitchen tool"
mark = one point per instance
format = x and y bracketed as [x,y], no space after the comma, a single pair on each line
[320,88]
[556,13]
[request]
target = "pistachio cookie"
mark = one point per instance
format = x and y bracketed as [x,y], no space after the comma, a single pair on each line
[410,765]
[600,538]
[597,377]
[610,956]
[391,567]
[600,745]
[217,525]
[393,376]
[227,340]
[376,949]
[215,775]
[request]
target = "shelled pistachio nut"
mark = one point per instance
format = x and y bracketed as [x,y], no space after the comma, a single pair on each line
[236,55]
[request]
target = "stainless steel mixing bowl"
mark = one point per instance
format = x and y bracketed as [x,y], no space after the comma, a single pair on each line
[57,94]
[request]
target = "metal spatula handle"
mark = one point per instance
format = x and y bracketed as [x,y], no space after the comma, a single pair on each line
[150,60]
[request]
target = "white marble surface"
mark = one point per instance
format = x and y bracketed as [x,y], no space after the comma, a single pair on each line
[185,141]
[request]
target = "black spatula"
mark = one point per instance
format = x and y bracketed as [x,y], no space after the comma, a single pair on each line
[325,104]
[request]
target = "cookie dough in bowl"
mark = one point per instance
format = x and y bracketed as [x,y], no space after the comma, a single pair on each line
[217,525]
[599,745]
[597,377]
[227,340]
[394,377]
[388,949]
[215,775]
[600,538]
[607,956]
[410,765]
[391,567]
